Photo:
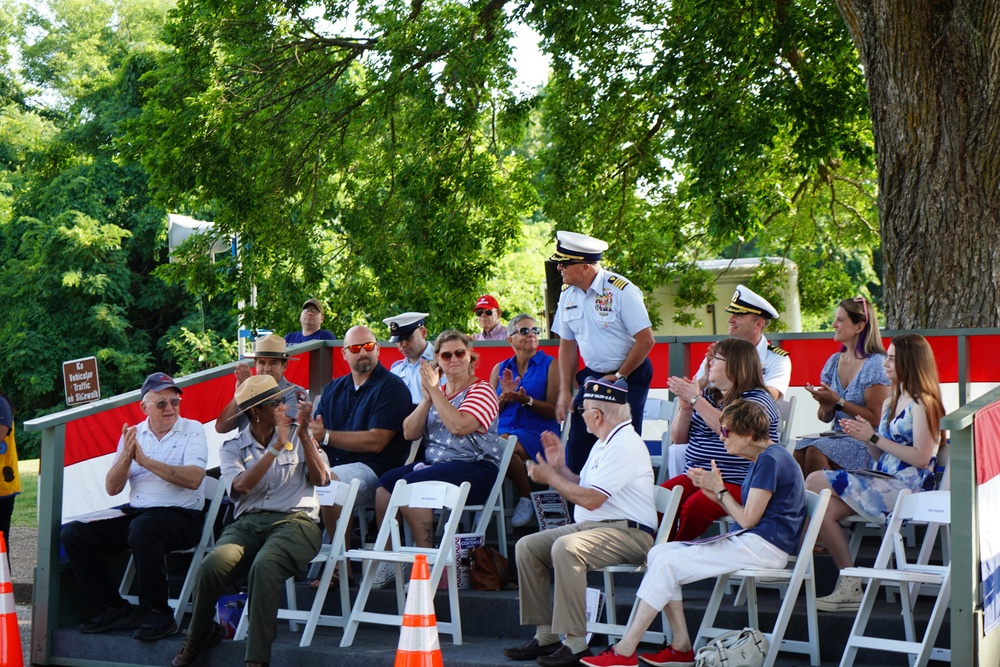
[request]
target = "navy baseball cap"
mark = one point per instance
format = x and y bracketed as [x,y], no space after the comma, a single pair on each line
[158,381]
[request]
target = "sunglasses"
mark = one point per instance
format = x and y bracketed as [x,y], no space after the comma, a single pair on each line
[563,265]
[724,431]
[162,404]
[458,354]
[367,347]
[487,312]
[524,331]
[276,403]
[864,306]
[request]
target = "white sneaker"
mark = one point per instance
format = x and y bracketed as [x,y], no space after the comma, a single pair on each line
[845,597]
[385,575]
[523,513]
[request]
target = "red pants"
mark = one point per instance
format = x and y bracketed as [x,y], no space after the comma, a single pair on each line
[697,511]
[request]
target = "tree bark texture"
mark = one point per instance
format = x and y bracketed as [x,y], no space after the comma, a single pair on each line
[933,79]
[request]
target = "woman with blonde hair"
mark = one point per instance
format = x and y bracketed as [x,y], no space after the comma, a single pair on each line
[904,447]
[853,384]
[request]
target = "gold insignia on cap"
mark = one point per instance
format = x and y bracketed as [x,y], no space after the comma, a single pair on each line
[393,326]
[596,387]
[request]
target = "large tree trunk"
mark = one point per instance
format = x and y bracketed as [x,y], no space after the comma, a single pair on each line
[933,76]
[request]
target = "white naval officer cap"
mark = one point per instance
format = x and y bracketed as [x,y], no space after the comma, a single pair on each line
[403,325]
[574,247]
[746,301]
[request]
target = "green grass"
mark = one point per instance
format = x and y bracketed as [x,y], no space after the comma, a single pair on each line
[26,504]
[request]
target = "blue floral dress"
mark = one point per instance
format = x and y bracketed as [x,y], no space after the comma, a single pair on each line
[872,493]
[842,449]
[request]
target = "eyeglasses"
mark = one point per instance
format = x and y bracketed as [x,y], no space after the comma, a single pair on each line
[458,354]
[162,404]
[582,410]
[524,331]
[718,358]
[276,403]
[367,347]
[563,265]
[724,432]
[864,306]
[487,312]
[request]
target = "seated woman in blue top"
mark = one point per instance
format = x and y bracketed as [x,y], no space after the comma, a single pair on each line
[770,519]
[527,386]
[904,447]
[734,373]
[853,384]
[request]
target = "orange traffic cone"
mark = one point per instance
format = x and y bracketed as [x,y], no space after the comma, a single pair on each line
[418,639]
[10,636]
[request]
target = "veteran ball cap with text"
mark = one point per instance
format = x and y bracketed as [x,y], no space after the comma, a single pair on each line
[747,302]
[574,247]
[403,325]
[599,389]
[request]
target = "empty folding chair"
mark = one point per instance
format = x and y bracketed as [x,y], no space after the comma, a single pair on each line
[389,548]
[892,568]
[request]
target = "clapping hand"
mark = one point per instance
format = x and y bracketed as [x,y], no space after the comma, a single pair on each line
[430,378]
[823,394]
[858,428]
[549,462]
[709,481]
[683,388]
[242,372]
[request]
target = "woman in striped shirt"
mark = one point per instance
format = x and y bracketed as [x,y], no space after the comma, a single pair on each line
[734,372]
[458,422]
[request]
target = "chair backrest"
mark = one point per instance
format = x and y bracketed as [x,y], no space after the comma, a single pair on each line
[345,496]
[667,502]
[816,505]
[928,507]
[433,495]
[491,500]
[215,491]
[786,410]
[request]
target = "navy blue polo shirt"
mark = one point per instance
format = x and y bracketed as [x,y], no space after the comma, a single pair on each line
[383,401]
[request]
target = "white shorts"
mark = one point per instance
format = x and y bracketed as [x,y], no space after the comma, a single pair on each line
[348,472]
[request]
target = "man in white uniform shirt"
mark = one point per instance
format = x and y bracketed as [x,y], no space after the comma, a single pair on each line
[602,316]
[614,523]
[410,336]
[163,460]
[751,314]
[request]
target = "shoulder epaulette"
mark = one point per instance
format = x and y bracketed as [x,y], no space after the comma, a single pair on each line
[564,287]
[777,350]
[617,281]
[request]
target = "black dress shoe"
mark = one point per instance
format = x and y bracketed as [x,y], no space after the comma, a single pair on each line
[531,650]
[564,657]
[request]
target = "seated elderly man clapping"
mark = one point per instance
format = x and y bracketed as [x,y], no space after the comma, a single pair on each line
[615,518]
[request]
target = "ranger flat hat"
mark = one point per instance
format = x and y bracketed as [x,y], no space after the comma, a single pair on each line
[747,302]
[270,346]
[258,389]
[403,325]
[574,247]
[599,389]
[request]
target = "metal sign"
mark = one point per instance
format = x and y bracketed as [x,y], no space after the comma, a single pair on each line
[80,381]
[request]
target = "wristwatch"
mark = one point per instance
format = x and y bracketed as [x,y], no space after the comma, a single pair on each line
[620,375]
[874,438]
[531,401]
[326,438]
[719,494]
[839,405]
[274,451]
[694,399]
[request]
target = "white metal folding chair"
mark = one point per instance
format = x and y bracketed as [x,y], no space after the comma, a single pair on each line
[801,573]
[215,491]
[786,410]
[493,506]
[329,557]
[389,548]
[667,502]
[658,409]
[892,568]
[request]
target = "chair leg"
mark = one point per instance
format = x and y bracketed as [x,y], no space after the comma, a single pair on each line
[456,615]
[860,622]
[934,624]
[707,629]
[291,601]
[351,628]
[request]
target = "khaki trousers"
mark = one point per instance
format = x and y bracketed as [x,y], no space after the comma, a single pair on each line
[571,551]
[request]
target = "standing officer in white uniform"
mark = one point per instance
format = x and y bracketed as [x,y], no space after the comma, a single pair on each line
[410,336]
[601,315]
[751,314]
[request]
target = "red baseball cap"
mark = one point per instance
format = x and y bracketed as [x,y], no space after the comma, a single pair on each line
[486,301]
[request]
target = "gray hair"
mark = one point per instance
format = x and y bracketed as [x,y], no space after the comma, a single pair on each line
[616,413]
[512,326]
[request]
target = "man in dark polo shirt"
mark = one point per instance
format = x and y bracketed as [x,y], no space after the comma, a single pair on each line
[359,420]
